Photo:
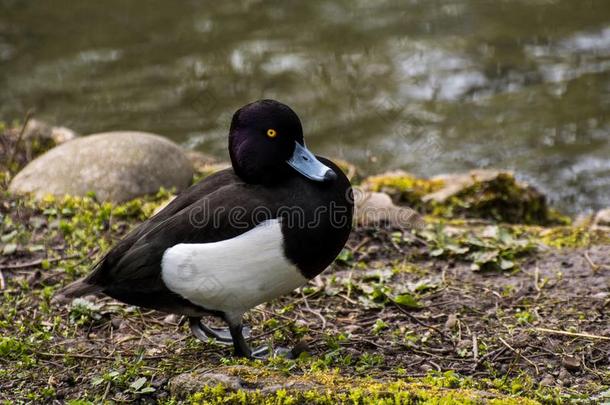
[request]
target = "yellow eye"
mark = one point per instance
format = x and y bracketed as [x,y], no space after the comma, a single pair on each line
[271,133]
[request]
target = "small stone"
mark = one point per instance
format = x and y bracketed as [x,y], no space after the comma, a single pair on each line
[62,134]
[520,339]
[464,344]
[37,222]
[199,158]
[371,250]
[571,363]
[602,219]
[158,381]
[302,346]
[185,384]
[547,381]
[564,377]
[451,321]
[172,318]
[116,322]
[153,351]
[373,208]
[124,326]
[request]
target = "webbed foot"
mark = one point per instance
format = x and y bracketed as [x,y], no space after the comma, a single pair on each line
[265,352]
[222,336]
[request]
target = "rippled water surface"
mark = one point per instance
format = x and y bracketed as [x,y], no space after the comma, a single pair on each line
[427,86]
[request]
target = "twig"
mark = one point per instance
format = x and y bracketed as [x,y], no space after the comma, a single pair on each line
[2,281]
[28,115]
[348,299]
[75,355]
[518,353]
[595,267]
[537,279]
[36,262]
[91,356]
[317,313]
[574,334]
[363,242]
[492,355]
[106,391]
[475,347]
[263,334]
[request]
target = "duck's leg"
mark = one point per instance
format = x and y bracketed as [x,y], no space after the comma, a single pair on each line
[242,349]
[204,332]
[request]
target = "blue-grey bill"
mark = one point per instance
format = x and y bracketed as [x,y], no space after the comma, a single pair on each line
[304,162]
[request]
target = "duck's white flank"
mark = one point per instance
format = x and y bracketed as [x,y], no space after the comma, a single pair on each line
[232,275]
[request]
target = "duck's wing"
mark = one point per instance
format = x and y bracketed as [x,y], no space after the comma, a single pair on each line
[132,273]
[183,200]
[103,271]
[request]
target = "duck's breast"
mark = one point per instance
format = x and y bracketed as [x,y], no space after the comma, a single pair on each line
[233,275]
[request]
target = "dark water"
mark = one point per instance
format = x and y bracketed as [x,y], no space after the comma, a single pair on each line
[427,86]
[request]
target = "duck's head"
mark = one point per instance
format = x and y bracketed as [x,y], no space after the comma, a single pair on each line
[266,145]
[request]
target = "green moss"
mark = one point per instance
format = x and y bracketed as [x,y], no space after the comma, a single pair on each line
[498,198]
[331,388]
[403,187]
[501,199]
[571,237]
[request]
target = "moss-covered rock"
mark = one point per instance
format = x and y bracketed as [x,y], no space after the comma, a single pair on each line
[245,384]
[404,188]
[487,194]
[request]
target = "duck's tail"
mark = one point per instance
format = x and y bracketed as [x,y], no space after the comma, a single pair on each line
[80,287]
[76,289]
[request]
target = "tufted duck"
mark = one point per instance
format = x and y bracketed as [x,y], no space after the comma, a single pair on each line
[238,238]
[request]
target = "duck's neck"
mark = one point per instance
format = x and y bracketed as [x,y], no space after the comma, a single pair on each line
[269,176]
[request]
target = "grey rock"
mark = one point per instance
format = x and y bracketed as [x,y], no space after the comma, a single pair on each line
[547,381]
[185,384]
[564,377]
[452,321]
[571,363]
[200,159]
[237,378]
[373,208]
[117,166]
[116,322]
[172,318]
[602,219]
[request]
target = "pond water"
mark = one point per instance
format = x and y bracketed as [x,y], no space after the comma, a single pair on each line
[426,86]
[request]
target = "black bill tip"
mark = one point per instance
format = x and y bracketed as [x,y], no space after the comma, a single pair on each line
[330,175]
